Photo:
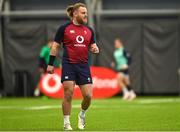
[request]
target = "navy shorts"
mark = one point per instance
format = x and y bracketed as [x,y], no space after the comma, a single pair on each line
[80,73]
[124,71]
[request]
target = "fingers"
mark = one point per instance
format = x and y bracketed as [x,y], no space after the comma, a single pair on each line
[50,69]
[50,72]
[95,50]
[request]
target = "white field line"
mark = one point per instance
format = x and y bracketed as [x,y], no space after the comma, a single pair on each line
[155,101]
[43,107]
[51,107]
[36,107]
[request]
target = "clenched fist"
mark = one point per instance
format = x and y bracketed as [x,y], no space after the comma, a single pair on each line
[50,69]
[94,49]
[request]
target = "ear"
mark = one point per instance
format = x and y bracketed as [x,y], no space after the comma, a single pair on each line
[75,13]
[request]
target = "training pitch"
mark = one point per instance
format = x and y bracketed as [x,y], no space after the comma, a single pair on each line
[43,114]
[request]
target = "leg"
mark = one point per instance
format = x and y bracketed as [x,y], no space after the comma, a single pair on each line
[127,80]
[68,93]
[121,83]
[86,91]
[131,91]
[120,80]
[37,91]
[66,104]
[84,80]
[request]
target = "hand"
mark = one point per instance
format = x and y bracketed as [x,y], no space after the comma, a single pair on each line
[94,49]
[50,69]
[112,64]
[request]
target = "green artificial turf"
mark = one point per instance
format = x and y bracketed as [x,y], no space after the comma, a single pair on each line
[142,114]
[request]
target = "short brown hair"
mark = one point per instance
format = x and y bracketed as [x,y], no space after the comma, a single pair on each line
[71,8]
[118,39]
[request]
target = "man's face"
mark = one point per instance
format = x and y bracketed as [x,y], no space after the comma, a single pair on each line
[81,15]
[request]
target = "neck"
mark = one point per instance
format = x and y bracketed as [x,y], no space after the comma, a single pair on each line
[75,22]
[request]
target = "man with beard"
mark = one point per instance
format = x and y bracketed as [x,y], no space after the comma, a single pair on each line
[77,40]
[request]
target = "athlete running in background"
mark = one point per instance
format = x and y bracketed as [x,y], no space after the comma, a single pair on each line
[77,39]
[121,65]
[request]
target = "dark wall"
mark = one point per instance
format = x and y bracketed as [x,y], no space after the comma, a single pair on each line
[22,44]
[161,56]
[154,45]
[41,5]
[1,73]
[153,42]
[1,79]
[21,49]
[141,4]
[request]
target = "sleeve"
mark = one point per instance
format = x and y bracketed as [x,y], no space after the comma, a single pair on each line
[43,52]
[93,37]
[128,56]
[59,35]
[42,62]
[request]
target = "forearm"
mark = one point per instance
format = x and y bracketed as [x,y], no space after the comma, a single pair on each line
[53,53]
[54,49]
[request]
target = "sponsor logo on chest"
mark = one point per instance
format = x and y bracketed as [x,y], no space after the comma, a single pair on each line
[79,40]
[78,37]
[72,31]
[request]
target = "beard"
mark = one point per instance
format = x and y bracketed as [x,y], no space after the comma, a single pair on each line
[80,20]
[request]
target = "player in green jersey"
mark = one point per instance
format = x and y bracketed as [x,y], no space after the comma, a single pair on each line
[121,65]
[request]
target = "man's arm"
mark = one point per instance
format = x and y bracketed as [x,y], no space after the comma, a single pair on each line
[53,53]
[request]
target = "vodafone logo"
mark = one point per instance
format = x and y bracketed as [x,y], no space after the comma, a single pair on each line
[104,84]
[80,39]
[51,83]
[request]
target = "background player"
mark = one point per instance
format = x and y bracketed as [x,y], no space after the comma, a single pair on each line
[43,62]
[121,64]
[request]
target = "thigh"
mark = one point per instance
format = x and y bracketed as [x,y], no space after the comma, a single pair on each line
[86,89]
[126,79]
[68,86]
[68,73]
[83,74]
[120,76]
